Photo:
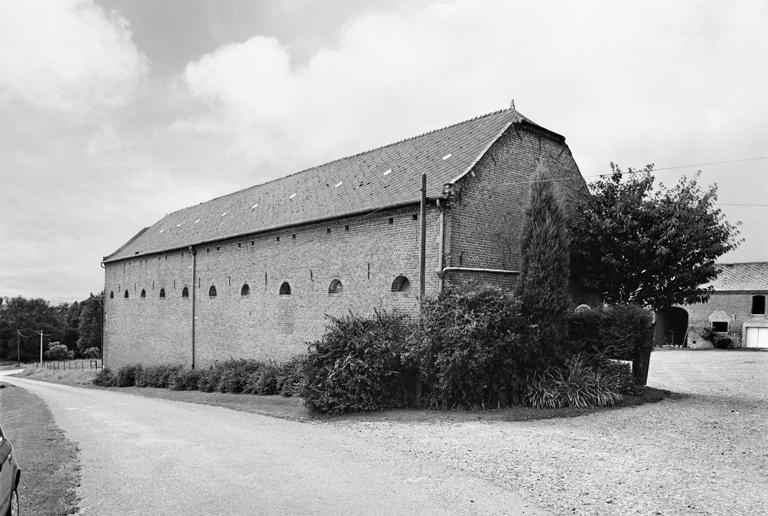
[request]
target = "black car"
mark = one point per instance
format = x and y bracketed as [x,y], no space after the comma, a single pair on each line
[10,474]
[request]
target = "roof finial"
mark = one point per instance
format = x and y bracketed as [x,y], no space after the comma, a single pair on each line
[512,105]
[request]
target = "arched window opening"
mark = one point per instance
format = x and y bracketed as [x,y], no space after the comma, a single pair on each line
[185,292]
[245,290]
[212,291]
[758,305]
[111,294]
[285,289]
[335,287]
[125,295]
[143,293]
[401,284]
[162,293]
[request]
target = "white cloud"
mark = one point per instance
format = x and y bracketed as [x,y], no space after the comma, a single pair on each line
[68,55]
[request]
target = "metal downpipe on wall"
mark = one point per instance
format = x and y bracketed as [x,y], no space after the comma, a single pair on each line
[194,297]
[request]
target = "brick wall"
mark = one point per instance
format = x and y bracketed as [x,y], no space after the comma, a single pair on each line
[366,258]
[487,211]
[736,306]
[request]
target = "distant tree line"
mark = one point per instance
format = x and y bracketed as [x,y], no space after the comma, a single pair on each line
[76,325]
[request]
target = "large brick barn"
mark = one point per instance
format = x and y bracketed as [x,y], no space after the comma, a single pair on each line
[254,273]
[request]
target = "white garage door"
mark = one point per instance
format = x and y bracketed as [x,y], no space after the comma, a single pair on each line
[756,338]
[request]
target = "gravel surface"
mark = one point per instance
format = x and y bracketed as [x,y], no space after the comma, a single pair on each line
[155,456]
[702,451]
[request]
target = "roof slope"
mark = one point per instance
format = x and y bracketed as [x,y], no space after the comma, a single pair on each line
[741,276]
[376,179]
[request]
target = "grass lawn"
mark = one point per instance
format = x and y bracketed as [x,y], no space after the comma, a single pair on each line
[48,460]
[294,409]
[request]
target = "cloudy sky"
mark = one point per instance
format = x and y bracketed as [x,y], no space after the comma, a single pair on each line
[117,112]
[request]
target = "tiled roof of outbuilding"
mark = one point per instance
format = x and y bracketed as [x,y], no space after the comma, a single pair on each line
[741,276]
[376,179]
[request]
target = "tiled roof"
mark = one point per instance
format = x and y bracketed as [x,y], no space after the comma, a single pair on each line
[376,179]
[741,276]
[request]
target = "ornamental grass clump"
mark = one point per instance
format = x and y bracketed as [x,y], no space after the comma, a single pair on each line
[576,384]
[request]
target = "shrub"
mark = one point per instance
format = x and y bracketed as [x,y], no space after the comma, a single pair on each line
[718,340]
[157,376]
[616,331]
[208,381]
[57,351]
[184,380]
[263,380]
[291,376]
[92,353]
[235,373]
[126,375]
[474,346]
[357,365]
[105,378]
[575,384]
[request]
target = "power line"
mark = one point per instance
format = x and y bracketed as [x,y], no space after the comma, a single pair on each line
[713,163]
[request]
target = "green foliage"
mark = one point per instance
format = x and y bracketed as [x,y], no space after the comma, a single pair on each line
[235,374]
[545,250]
[157,376]
[185,380]
[105,378]
[90,323]
[473,347]
[291,376]
[126,375]
[718,340]
[57,351]
[92,353]
[654,247]
[358,364]
[209,378]
[616,331]
[575,384]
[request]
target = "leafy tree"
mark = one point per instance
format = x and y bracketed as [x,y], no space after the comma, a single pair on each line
[90,323]
[654,247]
[27,315]
[545,249]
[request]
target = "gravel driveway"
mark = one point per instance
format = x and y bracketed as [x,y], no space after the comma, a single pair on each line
[702,451]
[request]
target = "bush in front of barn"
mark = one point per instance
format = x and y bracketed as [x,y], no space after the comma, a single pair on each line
[105,378]
[474,348]
[157,376]
[618,332]
[359,365]
[126,375]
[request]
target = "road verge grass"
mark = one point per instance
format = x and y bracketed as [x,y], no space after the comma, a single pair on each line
[293,408]
[50,470]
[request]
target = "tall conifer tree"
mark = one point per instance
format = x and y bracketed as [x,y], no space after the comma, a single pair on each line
[545,249]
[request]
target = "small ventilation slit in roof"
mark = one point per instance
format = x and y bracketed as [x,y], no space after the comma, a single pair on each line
[162,230]
[292,196]
[255,206]
[447,156]
[389,170]
[178,225]
[338,184]
[223,213]
[198,220]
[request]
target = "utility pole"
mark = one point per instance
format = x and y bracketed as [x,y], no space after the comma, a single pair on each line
[18,358]
[41,346]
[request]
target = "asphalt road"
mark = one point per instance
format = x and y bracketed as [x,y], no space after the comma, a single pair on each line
[154,456]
